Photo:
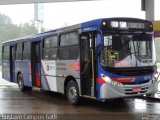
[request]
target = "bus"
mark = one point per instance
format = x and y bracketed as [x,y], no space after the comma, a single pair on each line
[104,59]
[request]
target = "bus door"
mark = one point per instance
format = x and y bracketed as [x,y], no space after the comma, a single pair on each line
[87,64]
[35,63]
[12,59]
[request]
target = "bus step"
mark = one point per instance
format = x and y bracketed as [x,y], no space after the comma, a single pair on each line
[37,88]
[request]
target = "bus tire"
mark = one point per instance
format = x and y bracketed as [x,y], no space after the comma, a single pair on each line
[72,93]
[21,85]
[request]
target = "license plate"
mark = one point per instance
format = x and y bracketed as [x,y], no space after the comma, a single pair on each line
[136,89]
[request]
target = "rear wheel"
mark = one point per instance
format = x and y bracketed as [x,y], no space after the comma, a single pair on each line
[21,85]
[72,93]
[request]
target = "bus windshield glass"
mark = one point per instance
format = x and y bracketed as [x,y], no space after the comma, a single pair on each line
[128,50]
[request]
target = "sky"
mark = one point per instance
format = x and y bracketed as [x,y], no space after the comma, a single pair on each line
[61,14]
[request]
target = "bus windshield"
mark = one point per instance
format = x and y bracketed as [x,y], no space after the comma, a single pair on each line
[128,50]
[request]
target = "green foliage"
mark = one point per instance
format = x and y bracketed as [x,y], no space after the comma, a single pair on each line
[9,31]
[12,31]
[27,29]
[5,20]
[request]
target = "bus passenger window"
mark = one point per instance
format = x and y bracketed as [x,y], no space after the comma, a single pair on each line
[45,54]
[50,48]
[68,44]
[53,54]
[66,53]
[47,43]
[19,51]
[69,39]
[54,41]
[26,51]
[19,47]
[5,54]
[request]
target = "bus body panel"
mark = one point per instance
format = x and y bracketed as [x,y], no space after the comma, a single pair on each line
[25,68]
[13,71]
[48,75]
[54,74]
[38,76]
[6,70]
[17,69]
[91,25]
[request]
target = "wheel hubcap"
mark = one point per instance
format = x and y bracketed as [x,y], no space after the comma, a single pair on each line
[72,94]
[20,83]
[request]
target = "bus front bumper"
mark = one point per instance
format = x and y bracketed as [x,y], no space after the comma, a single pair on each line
[109,91]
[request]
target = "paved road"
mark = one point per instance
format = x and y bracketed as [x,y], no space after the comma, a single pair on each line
[39,102]
[14,102]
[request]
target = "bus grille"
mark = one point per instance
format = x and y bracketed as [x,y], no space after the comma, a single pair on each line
[129,91]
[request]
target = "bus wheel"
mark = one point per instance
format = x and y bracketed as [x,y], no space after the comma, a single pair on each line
[21,86]
[72,93]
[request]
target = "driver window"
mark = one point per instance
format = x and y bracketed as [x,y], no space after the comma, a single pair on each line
[110,50]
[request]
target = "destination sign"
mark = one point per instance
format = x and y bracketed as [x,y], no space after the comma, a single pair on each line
[132,25]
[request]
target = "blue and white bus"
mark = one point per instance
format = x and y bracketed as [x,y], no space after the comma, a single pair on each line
[103,59]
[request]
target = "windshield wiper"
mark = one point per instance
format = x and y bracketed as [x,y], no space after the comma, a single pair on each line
[134,51]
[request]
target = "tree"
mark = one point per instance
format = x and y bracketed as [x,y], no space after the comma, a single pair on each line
[5,20]
[8,30]
[27,29]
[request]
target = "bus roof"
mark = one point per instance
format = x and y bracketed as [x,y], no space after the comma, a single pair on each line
[83,27]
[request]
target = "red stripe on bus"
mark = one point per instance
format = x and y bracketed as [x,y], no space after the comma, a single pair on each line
[37,80]
[156,35]
[123,80]
[100,80]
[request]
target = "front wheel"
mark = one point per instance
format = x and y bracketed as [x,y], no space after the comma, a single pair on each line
[72,93]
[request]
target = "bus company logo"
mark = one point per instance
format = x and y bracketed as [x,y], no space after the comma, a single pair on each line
[147,77]
[48,68]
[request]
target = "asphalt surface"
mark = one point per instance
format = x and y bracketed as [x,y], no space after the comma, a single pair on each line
[40,103]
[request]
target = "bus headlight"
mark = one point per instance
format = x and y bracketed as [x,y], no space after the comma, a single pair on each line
[117,84]
[106,78]
[111,82]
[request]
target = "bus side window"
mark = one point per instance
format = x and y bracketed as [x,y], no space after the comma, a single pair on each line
[50,48]
[47,43]
[68,44]
[2,52]
[26,51]
[5,53]
[19,51]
